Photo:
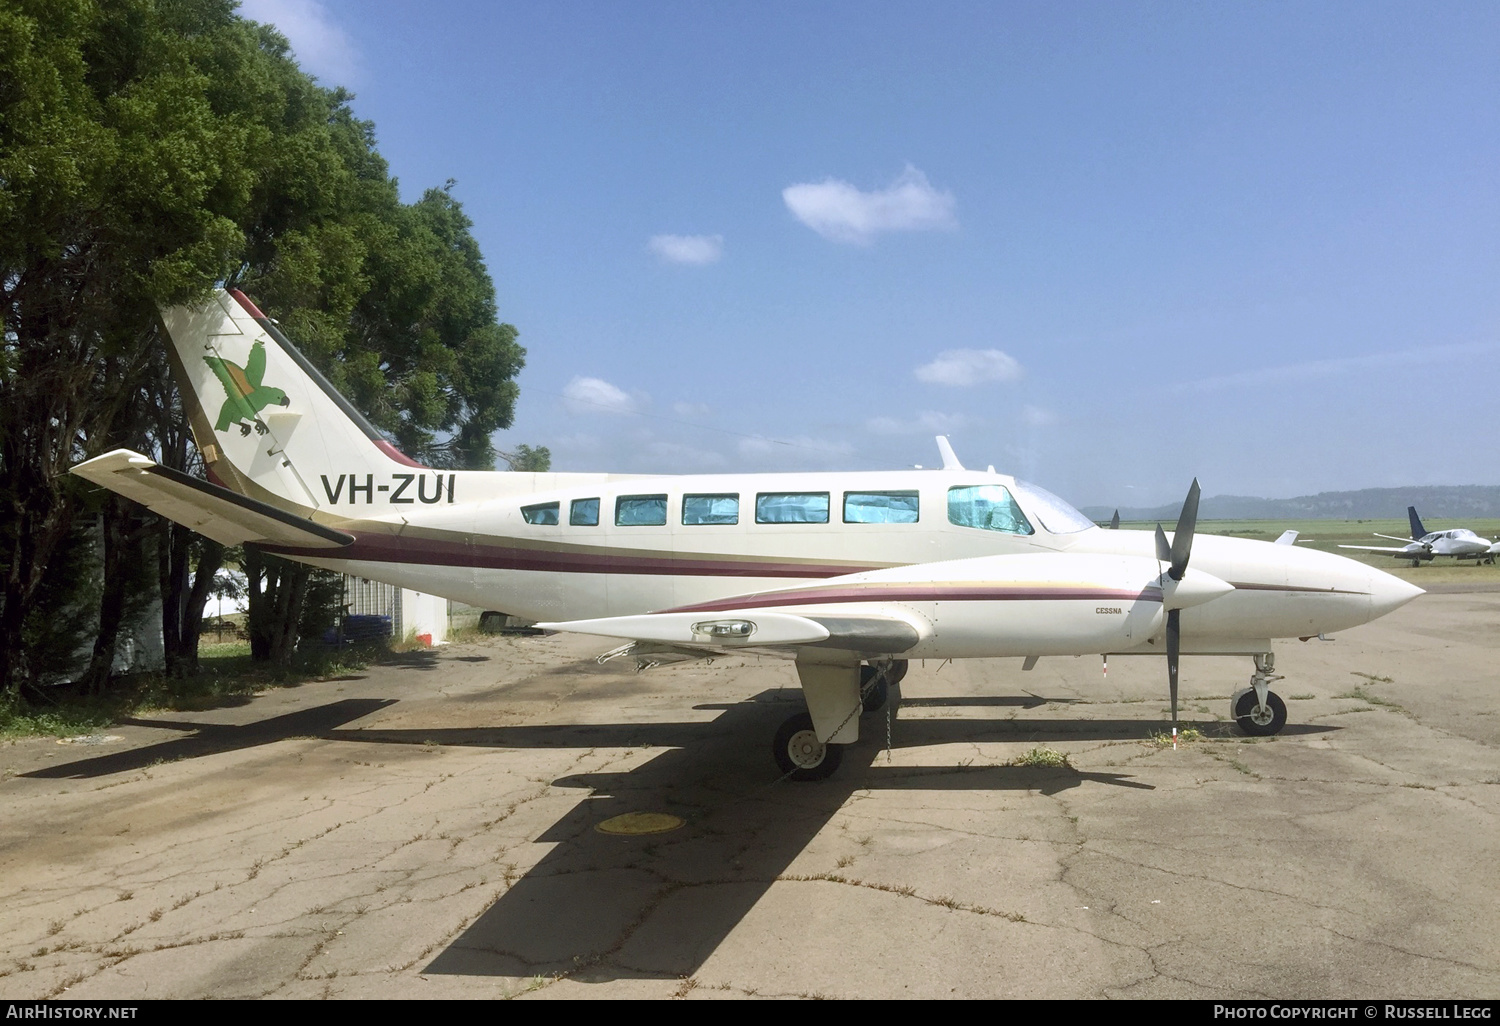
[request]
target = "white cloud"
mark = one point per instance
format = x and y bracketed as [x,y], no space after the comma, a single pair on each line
[687,249]
[1314,370]
[837,210]
[1036,416]
[321,46]
[929,422]
[595,395]
[964,367]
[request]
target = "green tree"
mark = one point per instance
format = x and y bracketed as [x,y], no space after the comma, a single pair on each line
[150,149]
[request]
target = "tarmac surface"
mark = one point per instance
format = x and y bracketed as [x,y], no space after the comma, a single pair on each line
[430,828]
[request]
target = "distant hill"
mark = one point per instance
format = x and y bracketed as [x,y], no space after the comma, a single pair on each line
[1436,502]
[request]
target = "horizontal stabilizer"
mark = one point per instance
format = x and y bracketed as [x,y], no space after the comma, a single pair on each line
[214,512]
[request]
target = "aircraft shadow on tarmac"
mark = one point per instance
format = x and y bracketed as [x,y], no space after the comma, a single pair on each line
[601,906]
[216,738]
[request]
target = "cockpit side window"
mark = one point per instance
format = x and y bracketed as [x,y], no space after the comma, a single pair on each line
[988,507]
[541,513]
[584,513]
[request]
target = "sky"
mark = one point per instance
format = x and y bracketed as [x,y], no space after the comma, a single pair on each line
[1106,247]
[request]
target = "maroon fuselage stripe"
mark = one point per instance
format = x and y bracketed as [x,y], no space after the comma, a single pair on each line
[440,552]
[922,593]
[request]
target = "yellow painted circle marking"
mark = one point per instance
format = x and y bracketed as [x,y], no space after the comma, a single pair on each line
[640,823]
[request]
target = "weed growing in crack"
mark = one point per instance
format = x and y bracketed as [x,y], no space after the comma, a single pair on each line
[1163,738]
[1042,757]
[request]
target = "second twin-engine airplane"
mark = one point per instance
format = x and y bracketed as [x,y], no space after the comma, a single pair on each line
[1458,542]
[854,572]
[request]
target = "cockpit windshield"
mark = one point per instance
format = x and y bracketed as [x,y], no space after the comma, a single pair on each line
[1051,512]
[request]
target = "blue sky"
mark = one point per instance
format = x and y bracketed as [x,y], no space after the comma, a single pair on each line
[1107,247]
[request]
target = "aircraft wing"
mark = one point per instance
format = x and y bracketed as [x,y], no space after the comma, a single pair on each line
[1378,548]
[873,631]
[212,511]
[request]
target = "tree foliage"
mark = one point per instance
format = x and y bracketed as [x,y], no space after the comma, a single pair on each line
[149,150]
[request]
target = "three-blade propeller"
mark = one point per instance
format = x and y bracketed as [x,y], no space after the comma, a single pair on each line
[1176,555]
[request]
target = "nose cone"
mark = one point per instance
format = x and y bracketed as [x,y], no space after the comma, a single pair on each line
[1389,593]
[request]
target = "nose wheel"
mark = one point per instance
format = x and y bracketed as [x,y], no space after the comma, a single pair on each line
[1258,710]
[799,753]
[1260,720]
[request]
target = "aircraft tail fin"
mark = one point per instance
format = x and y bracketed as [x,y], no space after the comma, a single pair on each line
[1417,530]
[269,425]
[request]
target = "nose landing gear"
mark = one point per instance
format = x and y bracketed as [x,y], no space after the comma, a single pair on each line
[1258,710]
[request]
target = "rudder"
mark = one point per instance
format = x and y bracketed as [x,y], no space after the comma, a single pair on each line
[1417,530]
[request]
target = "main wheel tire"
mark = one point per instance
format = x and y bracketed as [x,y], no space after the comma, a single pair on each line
[897,672]
[1257,723]
[800,754]
[873,694]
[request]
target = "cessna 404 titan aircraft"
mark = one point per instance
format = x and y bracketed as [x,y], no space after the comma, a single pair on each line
[854,573]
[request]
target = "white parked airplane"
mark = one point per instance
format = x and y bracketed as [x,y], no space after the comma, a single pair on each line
[1459,542]
[854,572]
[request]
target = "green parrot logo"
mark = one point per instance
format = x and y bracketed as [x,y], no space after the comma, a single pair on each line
[246,396]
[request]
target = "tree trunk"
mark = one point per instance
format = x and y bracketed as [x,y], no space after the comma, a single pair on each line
[277,590]
[115,529]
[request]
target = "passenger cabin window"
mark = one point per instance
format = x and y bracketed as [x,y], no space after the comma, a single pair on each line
[542,513]
[584,513]
[791,508]
[988,507]
[880,507]
[641,511]
[710,509]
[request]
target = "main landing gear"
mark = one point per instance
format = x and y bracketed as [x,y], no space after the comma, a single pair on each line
[1259,711]
[801,756]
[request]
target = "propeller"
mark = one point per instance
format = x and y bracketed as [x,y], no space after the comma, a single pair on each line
[1176,556]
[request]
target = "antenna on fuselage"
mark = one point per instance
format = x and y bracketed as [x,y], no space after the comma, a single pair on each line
[950,461]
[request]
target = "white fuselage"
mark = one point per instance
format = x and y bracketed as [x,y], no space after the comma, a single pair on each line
[488,554]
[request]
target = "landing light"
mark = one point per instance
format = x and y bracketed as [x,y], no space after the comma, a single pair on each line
[725,628]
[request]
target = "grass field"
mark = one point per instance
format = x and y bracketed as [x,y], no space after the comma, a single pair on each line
[1328,535]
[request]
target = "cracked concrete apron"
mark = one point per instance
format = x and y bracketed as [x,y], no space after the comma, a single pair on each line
[428,828]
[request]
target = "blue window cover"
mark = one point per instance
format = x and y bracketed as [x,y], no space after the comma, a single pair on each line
[988,507]
[710,509]
[584,513]
[880,508]
[542,513]
[640,511]
[791,508]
